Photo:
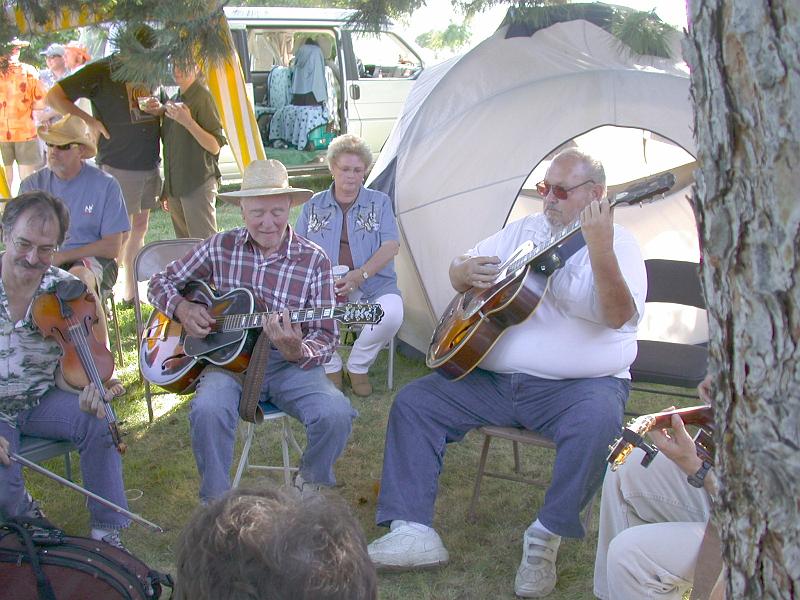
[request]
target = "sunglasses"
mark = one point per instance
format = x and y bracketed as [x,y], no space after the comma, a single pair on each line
[64,147]
[559,192]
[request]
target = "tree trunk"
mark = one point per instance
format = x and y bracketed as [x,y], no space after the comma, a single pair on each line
[745,61]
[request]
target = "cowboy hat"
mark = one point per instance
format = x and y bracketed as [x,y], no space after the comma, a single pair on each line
[18,43]
[266,178]
[69,130]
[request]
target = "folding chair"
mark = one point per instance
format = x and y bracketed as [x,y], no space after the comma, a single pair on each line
[37,450]
[271,413]
[669,363]
[110,309]
[150,260]
[516,436]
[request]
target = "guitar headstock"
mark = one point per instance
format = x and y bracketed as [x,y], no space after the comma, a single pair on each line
[644,190]
[631,438]
[354,313]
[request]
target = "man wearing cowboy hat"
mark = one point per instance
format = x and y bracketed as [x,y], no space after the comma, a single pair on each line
[23,96]
[98,219]
[284,271]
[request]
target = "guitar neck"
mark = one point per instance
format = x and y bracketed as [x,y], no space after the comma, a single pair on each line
[240,322]
[702,416]
[554,242]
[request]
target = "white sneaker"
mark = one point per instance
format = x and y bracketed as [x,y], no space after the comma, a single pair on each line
[408,546]
[536,575]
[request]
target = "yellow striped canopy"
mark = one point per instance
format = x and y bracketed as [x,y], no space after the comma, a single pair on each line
[225,81]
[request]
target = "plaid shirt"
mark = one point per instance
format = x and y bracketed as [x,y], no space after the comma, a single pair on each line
[298,275]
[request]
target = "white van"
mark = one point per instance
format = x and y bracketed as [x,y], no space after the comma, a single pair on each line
[367,79]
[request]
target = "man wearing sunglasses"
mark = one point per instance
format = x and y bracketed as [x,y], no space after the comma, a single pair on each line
[98,219]
[563,373]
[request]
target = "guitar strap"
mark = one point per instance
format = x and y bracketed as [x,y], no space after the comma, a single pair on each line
[709,564]
[249,410]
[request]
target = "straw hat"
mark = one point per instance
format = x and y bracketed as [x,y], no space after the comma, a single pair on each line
[69,130]
[266,178]
[18,43]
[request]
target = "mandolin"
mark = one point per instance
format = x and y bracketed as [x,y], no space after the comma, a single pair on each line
[632,434]
[67,316]
[475,319]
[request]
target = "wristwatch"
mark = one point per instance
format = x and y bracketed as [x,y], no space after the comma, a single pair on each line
[364,274]
[697,480]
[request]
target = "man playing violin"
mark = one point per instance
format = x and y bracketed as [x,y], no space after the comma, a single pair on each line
[563,372]
[652,521]
[284,271]
[33,396]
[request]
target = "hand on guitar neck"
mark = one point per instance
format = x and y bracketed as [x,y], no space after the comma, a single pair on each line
[677,445]
[286,336]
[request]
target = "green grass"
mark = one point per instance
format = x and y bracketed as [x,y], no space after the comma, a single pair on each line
[162,484]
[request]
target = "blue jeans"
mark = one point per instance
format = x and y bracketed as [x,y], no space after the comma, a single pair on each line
[306,395]
[582,417]
[58,417]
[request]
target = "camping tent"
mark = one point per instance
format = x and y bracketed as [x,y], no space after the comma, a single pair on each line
[474,128]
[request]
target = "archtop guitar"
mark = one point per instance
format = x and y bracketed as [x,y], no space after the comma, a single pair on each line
[173,360]
[474,320]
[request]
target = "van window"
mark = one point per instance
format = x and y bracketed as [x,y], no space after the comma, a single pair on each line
[382,55]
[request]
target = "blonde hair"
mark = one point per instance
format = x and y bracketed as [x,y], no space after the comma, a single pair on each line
[349,144]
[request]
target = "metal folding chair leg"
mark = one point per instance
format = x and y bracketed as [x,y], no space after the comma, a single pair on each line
[522,437]
[109,299]
[287,439]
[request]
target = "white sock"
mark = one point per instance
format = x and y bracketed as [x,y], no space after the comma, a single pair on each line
[413,524]
[537,524]
[99,534]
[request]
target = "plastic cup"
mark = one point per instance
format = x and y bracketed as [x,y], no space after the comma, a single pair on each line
[143,101]
[340,271]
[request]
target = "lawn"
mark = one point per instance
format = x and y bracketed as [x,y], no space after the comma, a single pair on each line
[162,483]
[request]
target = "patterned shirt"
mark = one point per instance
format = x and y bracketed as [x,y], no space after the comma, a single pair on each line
[28,361]
[297,275]
[20,92]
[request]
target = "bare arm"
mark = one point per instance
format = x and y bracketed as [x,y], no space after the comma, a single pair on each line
[616,302]
[473,271]
[381,257]
[58,99]
[109,246]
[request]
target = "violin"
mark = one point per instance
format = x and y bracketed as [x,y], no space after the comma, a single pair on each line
[632,434]
[67,316]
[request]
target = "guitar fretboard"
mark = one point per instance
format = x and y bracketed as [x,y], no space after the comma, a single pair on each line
[254,320]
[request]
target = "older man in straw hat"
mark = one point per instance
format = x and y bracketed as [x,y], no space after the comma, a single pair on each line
[98,219]
[283,271]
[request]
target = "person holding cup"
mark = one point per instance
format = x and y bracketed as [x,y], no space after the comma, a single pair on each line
[193,135]
[357,228]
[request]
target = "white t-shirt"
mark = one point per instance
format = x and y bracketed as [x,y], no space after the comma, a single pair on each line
[564,338]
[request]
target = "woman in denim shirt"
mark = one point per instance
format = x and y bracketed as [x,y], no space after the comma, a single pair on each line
[356,227]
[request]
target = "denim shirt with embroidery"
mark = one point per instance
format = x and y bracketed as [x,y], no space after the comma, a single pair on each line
[370,223]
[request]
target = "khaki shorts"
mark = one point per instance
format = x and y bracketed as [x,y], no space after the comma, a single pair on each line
[25,153]
[104,270]
[140,189]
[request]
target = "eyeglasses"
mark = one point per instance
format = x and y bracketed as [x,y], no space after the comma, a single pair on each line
[43,252]
[559,192]
[63,147]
